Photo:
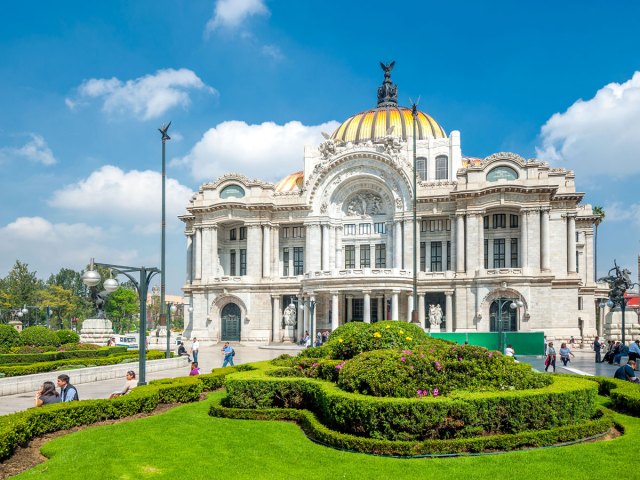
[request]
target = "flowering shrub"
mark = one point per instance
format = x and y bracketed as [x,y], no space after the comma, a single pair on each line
[426,371]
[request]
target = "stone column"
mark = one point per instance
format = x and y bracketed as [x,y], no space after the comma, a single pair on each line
[335,319]
[366,311]
[300,312]
[325,247]
[544,239]
[254,252]
[380,301]
[421,311]
[409,306]
[266,251]
[471,247]
[339,259]
[394,305]
[305,310]
[206,254]
[349,309]
[448,306]
[524,238]
[480,240]
[571,243]
[275,319]
[276,271]
[313,244]
[533,241]
[460,249]
[213,248]
[452,239]
[588,258]
[397,244]
[189,258]
[198,255]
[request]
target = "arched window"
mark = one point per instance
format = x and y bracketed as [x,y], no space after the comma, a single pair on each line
[232,191]
[421,168]
[502,317]
[502,172]
[442,167]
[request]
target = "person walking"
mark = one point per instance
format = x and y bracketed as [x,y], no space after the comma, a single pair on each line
[228,353]
[47,394]
[68,393]
[550,361]
[596,348]
[195,346]
[129,385]
[565,353]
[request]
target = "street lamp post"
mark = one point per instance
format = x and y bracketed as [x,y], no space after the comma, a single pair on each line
[91,278]
[171,309]
[414,311]
[165,136]
[503,302]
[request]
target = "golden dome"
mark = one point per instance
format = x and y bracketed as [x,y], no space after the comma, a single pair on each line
[372,125]
[290,182]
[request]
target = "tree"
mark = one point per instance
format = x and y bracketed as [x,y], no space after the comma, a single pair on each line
[599,212]
[120,308]
[20,287]
[69,280]
[63,303]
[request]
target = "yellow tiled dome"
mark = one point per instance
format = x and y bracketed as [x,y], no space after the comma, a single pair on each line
[372,125]
[290,182]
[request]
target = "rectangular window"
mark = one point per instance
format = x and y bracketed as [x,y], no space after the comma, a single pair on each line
[365,229]
[498,253]
[423,256]
[232,263]
[243,233]
[285,232]
[486,253]
[298,232]
[485,221]
[448,255]
[243,261]
[285,262]
[357,309]
[579,303]
[447,225]
[350,229]
[298,260]
[500,220]
[381,255]
[513,221]
[514,253]
[421,168]
[436,256]
[577,236]
[442,172]
[436,225]
[577,262]
[232,234]
[423,225]
[349,256]
[365,256]
[380,227]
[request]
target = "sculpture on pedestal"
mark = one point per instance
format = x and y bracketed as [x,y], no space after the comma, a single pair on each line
[435,317]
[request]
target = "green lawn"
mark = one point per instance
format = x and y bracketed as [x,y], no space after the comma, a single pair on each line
[185,443]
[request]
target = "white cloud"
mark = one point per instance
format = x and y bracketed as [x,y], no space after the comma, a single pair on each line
[35,150]
[48,246]
[272,52]
[145,97]
[597,136]
[133,198]
[620,212]
[232,13]
[267,151]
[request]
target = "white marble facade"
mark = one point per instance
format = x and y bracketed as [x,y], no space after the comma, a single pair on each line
[339,235]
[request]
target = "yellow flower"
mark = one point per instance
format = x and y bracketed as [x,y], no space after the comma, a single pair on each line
[409,339]
[340,340]
[401,332]
[377,334]
[388,327]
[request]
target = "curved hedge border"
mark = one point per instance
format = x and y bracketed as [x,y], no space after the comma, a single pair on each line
[19,428]
[41,367]
[624,396]
[320,433]
[567,401]
[10,359]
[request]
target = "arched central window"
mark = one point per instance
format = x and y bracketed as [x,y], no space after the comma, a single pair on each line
[442,167]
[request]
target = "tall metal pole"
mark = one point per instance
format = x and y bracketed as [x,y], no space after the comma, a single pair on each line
[142,340]
[414,312]
[168,352]
[163,130]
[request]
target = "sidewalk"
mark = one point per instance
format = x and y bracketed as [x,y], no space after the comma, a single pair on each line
[210,357]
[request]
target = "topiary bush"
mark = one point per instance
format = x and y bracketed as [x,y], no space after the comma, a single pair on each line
[67,336]
[435,371]
[9,336]
[39,337]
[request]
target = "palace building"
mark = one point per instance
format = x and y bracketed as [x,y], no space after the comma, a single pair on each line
[336,240]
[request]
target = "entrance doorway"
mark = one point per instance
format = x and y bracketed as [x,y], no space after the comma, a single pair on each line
[503,317]
[230,317]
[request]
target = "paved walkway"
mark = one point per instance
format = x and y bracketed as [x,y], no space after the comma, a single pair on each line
[210,357]
[583,364]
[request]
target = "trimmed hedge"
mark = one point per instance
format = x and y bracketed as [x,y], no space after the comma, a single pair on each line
[320,433]
[9,359]
[567,401]
[41,367]
[39,337]
[9,336]
[19,428]
[624,395]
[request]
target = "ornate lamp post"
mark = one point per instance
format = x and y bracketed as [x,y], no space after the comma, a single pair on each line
[171,309]
[414,312]
[165,136]
[91,278]
[503,302]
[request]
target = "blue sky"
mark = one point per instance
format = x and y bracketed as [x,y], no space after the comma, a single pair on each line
[84,86]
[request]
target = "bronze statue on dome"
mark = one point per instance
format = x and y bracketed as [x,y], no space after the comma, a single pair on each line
[387,92]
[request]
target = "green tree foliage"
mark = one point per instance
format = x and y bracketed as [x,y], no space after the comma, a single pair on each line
[62,302]
[20,286]
[121,307]
[39,337]
[69,280]
[67,336]
[9,336]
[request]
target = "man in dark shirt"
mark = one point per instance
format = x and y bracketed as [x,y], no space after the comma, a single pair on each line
[627,372]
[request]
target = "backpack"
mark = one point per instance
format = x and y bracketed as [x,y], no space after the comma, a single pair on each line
[233,352]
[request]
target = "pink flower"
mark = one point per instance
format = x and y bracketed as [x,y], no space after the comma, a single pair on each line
[490,354]
[459,359]
[436,392]
[340,365]
[420,392]
[411,367]
[402,359]
[438,366]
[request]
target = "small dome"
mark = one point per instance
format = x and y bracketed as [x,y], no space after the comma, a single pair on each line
[372,125]
[290,182]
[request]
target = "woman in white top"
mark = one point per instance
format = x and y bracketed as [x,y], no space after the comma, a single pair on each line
[509,351]
[129,385]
